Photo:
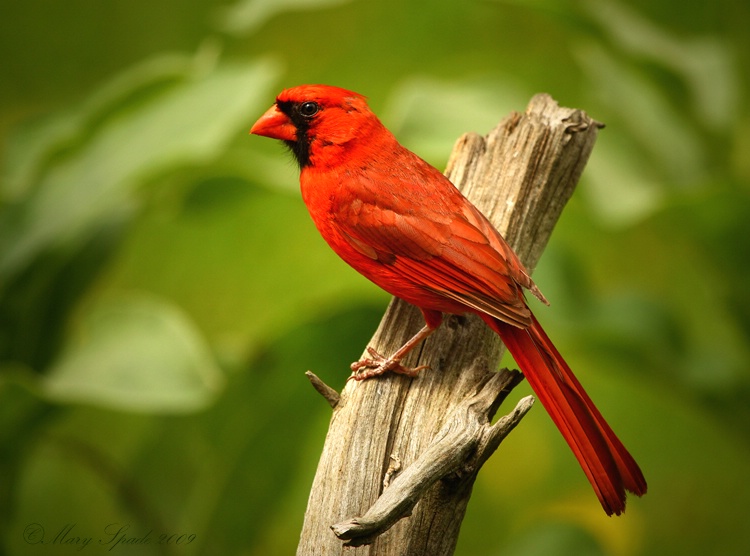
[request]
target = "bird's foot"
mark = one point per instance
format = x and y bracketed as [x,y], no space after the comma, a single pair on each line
[376,364]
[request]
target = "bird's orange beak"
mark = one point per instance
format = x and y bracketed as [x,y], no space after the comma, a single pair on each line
[276,125]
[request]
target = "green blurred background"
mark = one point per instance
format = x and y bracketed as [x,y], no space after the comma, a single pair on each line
[162,290]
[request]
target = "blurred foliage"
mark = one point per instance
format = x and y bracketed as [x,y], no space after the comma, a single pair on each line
[162,289]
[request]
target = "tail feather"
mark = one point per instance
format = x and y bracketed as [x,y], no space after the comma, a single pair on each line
[610,468]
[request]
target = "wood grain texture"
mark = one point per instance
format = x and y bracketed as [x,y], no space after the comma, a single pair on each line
[428,437]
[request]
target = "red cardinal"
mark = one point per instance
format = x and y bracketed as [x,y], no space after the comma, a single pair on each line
[399,222]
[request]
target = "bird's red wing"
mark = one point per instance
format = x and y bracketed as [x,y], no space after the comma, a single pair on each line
[440,252]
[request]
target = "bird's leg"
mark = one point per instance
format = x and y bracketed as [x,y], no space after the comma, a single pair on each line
[376,364]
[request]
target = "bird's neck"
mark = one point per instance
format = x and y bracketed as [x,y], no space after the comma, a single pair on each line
[349,146]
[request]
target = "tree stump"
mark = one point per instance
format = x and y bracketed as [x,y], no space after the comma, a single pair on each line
[401,454]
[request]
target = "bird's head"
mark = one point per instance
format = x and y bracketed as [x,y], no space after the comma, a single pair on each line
[317,122]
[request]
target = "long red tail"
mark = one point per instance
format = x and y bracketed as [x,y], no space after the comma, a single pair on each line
[607,464]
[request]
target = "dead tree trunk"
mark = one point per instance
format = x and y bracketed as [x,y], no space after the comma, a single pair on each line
[402,454]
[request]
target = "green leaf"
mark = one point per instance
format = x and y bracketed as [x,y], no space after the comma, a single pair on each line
[463,106]
[137,354]
[704,63]
[179,124]
[34,145]
[246,16]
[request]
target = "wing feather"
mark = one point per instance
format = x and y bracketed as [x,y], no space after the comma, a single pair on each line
[455,254]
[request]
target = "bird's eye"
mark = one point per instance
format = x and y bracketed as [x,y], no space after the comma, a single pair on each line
[308,109]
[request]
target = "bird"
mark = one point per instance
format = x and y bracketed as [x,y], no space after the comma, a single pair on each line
[398,221]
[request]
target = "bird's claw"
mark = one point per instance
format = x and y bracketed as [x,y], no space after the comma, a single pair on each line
[376,364]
